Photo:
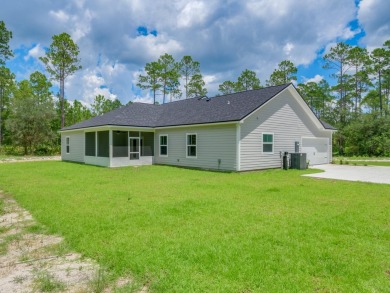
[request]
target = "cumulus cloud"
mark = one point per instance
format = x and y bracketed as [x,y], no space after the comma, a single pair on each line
[59,15]
[35,52]
[373,15]
[194,12]
[317,78]
[225,36]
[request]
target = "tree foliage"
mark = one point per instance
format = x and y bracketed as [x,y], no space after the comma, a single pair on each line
[5,37]
[285,73]
[169,76]
[189,68]
[103,105]
[61,61]
[6,89]
[247,80]
[196,86]
[151,80]
[227,87]
[30,118]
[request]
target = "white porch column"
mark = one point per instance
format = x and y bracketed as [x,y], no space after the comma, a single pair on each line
[110,140]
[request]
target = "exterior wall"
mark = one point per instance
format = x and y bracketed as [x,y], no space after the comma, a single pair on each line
[98,161]
[214,143]
[287,120]
[76,151]
[125,161]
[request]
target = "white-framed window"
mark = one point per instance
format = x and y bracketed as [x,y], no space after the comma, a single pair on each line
[268,143]
[67,144]
[163,145]
[191,145]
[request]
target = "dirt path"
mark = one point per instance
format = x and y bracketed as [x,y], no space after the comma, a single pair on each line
[33,261]
[29,159]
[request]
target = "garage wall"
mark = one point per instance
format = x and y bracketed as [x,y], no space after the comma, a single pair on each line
[287,120]
[316,149]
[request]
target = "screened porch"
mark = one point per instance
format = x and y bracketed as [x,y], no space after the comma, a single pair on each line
[115,148]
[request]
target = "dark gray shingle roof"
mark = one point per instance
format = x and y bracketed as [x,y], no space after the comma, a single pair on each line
[231,107]
[327,125]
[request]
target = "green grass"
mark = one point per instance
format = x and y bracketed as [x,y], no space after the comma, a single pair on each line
[363,163]
[363,158]
[181,230]
[370,163]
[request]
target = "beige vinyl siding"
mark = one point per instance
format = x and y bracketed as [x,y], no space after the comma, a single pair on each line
[76,146]
[287,120]
[213,143]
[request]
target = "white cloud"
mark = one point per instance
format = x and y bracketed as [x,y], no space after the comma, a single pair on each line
[288,48]
[317,78]
[145,99]
[59,15]
[35,52]
[151,46]
[194,12]
[373,15]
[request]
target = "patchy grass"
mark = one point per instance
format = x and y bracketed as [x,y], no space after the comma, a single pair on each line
[1,206]
[46,282]
[185,230]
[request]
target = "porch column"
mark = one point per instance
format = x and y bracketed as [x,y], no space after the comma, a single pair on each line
[110,139]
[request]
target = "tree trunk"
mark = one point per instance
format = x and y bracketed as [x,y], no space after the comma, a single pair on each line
[62,94]
[164,86]
[380,95]
[186,86]
[356,91]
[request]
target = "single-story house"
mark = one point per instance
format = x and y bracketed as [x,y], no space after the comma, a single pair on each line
[243,131]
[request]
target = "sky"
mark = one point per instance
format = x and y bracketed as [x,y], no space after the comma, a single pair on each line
[117,38]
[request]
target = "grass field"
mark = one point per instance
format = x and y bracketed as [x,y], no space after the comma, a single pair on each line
[181,230]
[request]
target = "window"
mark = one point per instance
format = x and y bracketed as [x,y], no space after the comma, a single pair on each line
[191,145]
[67,142]
[268,143]
[163,145]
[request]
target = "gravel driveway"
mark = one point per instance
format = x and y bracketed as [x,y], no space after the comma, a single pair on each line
[374,174]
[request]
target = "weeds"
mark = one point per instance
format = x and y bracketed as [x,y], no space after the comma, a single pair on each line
[46,282]
[99,283]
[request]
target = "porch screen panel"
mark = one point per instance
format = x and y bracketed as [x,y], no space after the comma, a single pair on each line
[147,143]
[103,144]
[90,144]
[120,144]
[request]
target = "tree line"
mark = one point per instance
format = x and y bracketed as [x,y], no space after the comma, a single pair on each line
[356,101]
[162,77]
[30,114]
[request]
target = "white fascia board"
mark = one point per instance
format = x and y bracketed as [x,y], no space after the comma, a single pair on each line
[197,125]
[110,127]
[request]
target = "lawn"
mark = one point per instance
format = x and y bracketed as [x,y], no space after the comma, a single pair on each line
[181,230]
[366,163]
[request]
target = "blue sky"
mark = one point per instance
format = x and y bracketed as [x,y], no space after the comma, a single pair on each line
[116,39]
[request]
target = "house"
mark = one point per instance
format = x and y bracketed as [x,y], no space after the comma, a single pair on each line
[238,132]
